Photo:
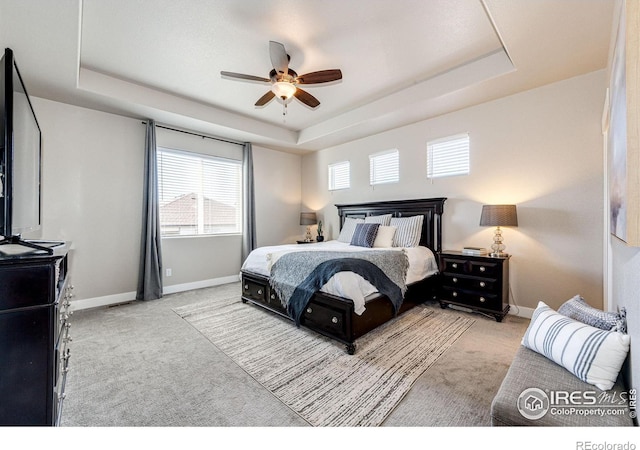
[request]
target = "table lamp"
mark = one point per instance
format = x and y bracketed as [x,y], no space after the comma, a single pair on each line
[499,216]
[308,219]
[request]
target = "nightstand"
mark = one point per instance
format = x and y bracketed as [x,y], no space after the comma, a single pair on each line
[480,283]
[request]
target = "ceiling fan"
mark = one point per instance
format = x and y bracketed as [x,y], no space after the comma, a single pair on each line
[284,80]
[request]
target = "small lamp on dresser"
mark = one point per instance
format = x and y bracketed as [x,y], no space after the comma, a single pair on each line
[499,216]
[308,219]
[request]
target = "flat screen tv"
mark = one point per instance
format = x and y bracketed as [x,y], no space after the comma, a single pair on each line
[20,158]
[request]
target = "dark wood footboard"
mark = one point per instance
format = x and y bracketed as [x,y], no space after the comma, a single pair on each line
[334,316]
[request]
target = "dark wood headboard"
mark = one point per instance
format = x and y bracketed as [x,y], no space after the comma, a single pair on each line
[430,208]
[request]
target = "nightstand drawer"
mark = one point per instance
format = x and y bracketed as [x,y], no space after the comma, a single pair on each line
[454,265]
[472,299]
[483,268]
[477,284]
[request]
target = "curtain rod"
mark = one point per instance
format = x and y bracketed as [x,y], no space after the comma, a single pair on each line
[197,134]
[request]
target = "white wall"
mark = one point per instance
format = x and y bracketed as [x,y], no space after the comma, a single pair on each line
[91,193]
[92,196]
[540,149]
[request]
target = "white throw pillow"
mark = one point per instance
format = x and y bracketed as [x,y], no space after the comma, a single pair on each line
[348,228]
[591,354]
[408,231]
[384,238]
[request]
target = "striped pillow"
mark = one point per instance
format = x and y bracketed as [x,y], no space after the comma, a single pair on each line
[591,354]
[348,228]
[365,234]
[383,220]
[408,231]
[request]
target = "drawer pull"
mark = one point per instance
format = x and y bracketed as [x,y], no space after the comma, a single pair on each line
[273,296]
[455,294]
[482,299]
[309,310]
[246,287]
[334,320]
[455,280]
[454,265]
[259,291]
[482,284]
[482,269]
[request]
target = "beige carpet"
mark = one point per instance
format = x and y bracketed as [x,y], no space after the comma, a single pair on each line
[313,375]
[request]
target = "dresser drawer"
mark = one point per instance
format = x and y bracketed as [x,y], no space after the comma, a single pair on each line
[477,284]
[472,299]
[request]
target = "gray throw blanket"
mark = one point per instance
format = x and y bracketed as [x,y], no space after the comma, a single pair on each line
[296,276]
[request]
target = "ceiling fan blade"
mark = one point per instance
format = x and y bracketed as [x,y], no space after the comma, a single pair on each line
[241,76]
[279,57]
[322,76]
[266,98]
[306,98]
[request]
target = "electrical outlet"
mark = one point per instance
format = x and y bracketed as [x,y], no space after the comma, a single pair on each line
[169,272]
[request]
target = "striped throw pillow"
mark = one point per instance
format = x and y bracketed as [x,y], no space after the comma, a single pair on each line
[348,228]
[365,234]
[383,220]
[408,231]
[593,355]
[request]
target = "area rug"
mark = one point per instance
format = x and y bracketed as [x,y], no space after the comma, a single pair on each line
[313,375]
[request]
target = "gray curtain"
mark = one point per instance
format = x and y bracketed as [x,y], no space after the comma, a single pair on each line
[150,274]
[248,202]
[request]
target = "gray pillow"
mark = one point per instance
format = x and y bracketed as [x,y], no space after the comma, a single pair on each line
[578,309]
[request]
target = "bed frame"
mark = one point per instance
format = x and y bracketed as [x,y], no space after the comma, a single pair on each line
[334,316]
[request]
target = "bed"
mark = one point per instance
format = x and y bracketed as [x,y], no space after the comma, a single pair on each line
[336,310]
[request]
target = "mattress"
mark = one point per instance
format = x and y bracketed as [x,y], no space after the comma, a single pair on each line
[422,264]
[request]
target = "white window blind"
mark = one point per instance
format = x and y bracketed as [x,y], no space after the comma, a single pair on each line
[198,194]
[448,156]
[339,175]
[384,167]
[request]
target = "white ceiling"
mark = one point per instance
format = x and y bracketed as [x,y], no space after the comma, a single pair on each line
[402,61]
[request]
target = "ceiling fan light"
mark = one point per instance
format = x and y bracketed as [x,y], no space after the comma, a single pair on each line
[283,90]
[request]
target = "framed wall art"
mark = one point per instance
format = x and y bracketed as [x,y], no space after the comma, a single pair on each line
[623,127]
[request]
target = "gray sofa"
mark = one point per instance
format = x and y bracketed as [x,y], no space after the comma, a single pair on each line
[532,370]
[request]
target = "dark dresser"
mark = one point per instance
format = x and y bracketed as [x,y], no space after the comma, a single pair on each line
[34,336]
[480,283]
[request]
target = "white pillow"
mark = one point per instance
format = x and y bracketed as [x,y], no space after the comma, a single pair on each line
[348,228]
[591,354]
[383,220]
[384,238]
[408,231]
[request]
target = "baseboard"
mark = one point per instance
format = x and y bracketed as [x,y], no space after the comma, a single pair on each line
[521,311]
[126,297]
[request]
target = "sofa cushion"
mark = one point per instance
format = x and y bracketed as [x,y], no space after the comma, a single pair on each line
[532,370]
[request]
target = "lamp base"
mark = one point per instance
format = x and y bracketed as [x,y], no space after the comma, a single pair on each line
[498,255]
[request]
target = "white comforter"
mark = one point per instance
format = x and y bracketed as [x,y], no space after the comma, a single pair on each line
[422,263]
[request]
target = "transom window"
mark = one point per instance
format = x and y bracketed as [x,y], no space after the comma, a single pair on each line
[448,156]
[384,167]
[339,175]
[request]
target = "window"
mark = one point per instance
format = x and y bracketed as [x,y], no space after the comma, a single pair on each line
[448,156]
[384,167]
[339,176]
[198,194]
